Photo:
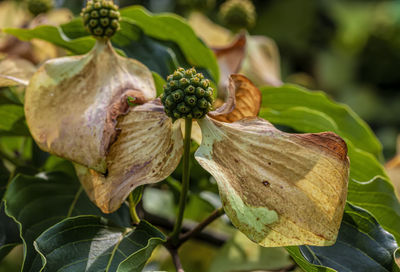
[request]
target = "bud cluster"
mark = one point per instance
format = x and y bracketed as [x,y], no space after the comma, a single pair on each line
[238,14]
[187,94]
[101,18]
[37,7]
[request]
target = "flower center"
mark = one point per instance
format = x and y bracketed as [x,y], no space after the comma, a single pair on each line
[101,18]
[187,94]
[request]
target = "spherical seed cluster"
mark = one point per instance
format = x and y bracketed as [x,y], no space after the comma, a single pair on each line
[187,95]
[101,18]
[37,7]
[238,14]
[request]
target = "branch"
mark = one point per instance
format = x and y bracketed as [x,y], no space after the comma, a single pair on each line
[201,226]
[211,237]
[176,259]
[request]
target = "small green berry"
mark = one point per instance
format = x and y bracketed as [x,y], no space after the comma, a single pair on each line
[200,92]
[101,18]
[183,82]
[191,100]
[173,83]
[183,108]
[197,113]
[190,89]
[187,94]
[177,95]
[169,102]
[202,103]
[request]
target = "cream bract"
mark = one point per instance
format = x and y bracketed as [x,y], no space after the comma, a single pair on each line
[148,149]
[72,103]
[279,189]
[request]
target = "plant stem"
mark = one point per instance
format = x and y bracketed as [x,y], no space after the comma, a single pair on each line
[201,226]
[134,199]
[176,259]
[10,159]
[185,182]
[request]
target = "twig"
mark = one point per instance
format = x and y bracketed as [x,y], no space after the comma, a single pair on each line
[210,237]
[201,226]
[176,259]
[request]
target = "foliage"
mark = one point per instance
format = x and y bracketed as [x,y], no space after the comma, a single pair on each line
[48,207]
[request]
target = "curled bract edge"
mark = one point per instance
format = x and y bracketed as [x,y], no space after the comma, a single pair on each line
[148,149]
[278,188]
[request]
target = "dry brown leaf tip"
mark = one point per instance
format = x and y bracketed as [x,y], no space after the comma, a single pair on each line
[243,100]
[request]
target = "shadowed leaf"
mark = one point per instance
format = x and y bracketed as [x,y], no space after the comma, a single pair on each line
[90,243]
[362,245]
[37,203]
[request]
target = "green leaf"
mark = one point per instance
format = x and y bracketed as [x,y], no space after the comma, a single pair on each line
[159,82]
[37,203]
[12,121]
[54,35]
[241,254]
[91,243]
[170,27]
[362,245]
[4,177]
[9,234]
[277,101]
[376,196]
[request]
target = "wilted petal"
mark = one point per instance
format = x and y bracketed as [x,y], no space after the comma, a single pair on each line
[148,150]
[262,62]
[230,59]
[278,188]
[247,97]
[72,103]
[15,71]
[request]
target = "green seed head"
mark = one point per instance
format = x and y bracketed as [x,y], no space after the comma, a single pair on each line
[187,94]
[238,14]
[37,7]
[101,18]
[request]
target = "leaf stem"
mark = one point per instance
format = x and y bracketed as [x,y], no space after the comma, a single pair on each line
[185,182]
[134,199]
[201,226]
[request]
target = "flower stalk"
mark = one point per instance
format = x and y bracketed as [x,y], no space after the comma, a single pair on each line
[185,182]
[134,199]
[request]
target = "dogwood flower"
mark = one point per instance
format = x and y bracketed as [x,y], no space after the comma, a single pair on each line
[277,188]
